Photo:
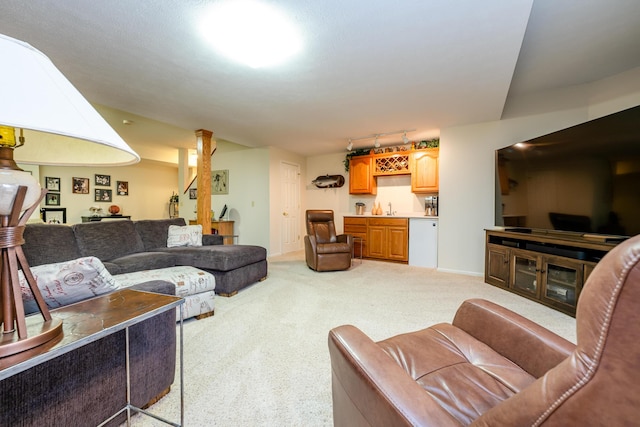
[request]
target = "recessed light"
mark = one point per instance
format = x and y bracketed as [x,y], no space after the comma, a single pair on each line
[251,32]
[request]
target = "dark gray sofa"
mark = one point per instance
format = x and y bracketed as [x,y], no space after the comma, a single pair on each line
[126,246]
[85,386]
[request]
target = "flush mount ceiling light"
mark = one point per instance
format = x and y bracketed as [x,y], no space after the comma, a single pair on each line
[251,32]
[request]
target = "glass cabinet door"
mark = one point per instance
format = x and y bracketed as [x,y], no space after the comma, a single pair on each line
[525,274]
[561,279]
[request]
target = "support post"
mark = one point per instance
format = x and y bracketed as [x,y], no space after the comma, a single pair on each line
[204,146]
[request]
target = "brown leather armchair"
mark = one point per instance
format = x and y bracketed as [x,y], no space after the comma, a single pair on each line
[324,250]
[492,367]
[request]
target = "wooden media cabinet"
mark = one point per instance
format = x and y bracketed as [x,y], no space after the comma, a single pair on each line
[546,266]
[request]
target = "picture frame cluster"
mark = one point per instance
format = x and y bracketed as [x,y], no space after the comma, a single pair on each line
[52,184]
[81,185]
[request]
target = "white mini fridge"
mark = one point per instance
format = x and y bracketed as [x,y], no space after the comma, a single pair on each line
[423,242]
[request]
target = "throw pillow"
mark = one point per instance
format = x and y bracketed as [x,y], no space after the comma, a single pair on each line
[64,283]
[187,235]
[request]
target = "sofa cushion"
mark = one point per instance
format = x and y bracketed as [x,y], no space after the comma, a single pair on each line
[143,261]
[49,243]
[186,235]
[67,282]
[465,376]
[186,279]
[218,257]
[154,232]
[107,240]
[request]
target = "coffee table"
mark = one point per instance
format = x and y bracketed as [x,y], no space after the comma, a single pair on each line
[90,320]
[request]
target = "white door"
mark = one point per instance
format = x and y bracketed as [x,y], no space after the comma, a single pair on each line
[290,225]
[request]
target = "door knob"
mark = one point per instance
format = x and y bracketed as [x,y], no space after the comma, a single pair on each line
[285,214]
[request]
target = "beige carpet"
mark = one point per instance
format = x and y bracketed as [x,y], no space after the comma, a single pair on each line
[262,360]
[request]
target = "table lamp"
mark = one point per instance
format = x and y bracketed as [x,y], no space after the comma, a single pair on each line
[51,123]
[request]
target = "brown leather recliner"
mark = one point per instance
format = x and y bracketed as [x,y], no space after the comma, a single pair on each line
[324,250]
[492,367]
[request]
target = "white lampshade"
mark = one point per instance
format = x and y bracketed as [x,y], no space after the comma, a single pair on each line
[60,126]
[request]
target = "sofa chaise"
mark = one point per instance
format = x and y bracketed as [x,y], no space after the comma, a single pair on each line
[492,367]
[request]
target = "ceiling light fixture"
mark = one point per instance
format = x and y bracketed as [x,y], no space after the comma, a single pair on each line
[251,32]
[377,135]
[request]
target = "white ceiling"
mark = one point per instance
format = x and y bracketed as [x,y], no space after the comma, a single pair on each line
[367,66]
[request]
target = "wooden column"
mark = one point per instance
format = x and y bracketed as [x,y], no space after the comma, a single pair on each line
[204,146]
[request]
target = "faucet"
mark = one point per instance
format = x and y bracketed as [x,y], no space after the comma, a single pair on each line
[390,211]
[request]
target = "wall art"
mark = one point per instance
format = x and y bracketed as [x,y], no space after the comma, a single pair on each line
[80,185]
[102,195]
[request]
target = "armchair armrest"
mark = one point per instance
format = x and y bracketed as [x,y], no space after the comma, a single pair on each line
[346,238]
[370,388]
[529,345]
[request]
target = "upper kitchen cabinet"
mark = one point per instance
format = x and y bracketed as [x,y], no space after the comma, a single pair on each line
[424,170]
[361,178]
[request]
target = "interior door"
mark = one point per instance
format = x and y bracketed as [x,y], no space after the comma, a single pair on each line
[290,224]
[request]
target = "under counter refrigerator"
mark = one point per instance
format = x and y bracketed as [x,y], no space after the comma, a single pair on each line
[423,242]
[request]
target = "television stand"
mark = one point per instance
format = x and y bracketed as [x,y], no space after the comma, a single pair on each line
[546,266]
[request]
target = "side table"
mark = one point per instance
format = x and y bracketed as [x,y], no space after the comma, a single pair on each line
[90,320]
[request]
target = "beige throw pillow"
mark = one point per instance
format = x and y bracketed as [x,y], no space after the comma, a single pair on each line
[188,235]
[64,283]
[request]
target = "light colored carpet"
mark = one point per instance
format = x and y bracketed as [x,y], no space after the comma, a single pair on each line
[263,358]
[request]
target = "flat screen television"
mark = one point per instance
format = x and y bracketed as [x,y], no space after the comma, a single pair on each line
[583,179]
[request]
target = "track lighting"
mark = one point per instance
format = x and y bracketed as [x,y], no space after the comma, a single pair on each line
[405,140]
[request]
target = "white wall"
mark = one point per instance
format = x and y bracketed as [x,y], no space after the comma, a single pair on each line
[248,198]
[150,186]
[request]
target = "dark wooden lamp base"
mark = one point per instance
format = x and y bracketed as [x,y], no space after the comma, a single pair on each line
[16,337]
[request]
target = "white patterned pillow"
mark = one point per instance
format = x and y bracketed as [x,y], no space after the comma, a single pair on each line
[67,282]
[187,235]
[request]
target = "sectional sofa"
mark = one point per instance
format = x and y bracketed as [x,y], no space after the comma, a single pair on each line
[126,246]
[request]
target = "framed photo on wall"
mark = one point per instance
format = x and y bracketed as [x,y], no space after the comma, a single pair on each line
[103,180]
[52,199]
[193,193]
[220,182]
[80,185]
[54,215]
[122,188]
[103,195]
[52,184]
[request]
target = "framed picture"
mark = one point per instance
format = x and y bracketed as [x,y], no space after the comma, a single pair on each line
[220,182]
[122,188]
[52,184]
[80,185]
[193,193]
[52,199]
[103,180]
[54,215]
[103,195]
